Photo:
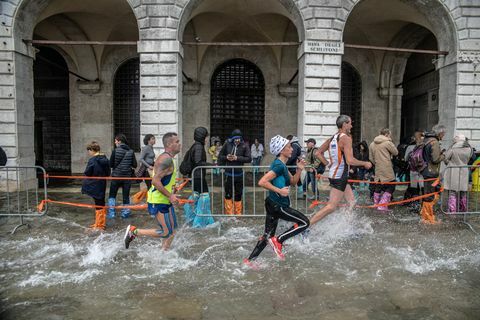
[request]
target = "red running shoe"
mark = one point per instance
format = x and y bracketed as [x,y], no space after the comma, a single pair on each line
[251,264]
[277,247]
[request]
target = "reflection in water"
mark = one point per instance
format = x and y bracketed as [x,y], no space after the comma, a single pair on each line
[352,265]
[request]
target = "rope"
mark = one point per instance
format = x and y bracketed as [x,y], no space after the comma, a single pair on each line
[106,178]
[319,176]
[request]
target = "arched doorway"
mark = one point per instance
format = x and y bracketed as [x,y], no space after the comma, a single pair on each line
[52,111]
[237,100]
[351,98]
[126,102]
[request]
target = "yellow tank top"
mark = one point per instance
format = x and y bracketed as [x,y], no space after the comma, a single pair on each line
[156,197]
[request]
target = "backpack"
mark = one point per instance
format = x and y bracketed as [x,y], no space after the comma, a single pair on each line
[416,159]
[186,167]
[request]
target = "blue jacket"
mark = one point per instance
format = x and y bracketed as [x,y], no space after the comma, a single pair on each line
[97,166]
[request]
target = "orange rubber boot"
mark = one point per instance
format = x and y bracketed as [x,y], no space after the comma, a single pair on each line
[238,207]
[228,206]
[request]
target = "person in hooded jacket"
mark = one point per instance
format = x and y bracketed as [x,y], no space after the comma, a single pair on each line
[292,161]
[381,152]
[97,166]
[199,158]
[234,153]
[123,164]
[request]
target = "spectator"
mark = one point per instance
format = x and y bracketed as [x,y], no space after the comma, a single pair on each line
[360,152]
[313,167]
[234,153]
[257,154]
[433,156]
[292,162]
[214,151]
[456,179]
[381,152]
[122,162]
[97,166]
[199,158]
[147,159]
[416,184]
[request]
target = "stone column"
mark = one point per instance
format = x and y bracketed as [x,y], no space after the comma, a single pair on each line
[319,89]
[395,112]
[160,88]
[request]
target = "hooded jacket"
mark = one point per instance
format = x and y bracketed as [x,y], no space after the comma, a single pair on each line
[381,152]
[242,151]
[122,161]
[458,154]
[296,153]
[199,156]
[97,166]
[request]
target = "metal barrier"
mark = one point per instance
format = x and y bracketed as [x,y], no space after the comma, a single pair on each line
[20,194]
[458,198]
[253,196]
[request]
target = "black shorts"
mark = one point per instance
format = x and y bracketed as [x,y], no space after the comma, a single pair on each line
[341,183]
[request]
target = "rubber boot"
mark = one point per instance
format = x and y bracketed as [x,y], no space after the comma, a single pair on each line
[238,207]
[125,213]
[189,208]
[386,197]
[203,212]
[94,225]
[463,202]
[111,211]
[452,203]
[427,211]
[376,197]
[229,206]
[101,219]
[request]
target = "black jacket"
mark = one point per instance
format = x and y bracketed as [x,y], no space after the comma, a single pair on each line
[123,161]
[242,151]
[3,157]
[296,153]
[199,156]
[97,166]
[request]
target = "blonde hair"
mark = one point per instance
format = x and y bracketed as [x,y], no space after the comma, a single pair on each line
[93,146]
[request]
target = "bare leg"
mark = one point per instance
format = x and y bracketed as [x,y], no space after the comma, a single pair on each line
[167,242]
[335,197]
[349,196]
[154,232]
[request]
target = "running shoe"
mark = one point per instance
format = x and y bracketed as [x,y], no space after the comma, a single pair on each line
[130,234]
[251,264]
[277,247]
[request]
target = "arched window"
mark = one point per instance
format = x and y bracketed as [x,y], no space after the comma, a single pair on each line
[126,102]
[351,99]
[52,143]
[237,100]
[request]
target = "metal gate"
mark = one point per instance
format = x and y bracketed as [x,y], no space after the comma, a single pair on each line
[351,98]
[126,102]
[237,100]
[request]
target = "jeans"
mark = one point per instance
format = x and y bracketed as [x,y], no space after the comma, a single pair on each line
[256,163]
[125,185]
[310,178]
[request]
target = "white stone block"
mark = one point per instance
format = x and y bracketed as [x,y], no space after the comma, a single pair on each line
[149,129]
[8,9]
[149,81]
[476,134]
[322,71]
[464,112]
[158,117]
[313,82]
[168,81]
[331,107]
[466,89]
[467,101]
[473,22]
[476,113]
[7,104]
[330,130]
[7,127]
[169,105]
[309,130]
[158,93]
[148,106]
[7,117]
[331,84]
[319,119]
[310,106]
[175,11]
[168,57]
[466,78]
[468,123]
[8,140]
[6,56]
[332,59]
[322,95]
[156,69]
[157,10]
[6,67]
[324,34]
[156,46]
[470,44]
[149,57]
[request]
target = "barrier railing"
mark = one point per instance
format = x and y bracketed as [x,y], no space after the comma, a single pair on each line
[458,197]
[20,194]
[252,196]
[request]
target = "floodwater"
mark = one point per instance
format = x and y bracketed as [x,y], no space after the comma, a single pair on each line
[353,265]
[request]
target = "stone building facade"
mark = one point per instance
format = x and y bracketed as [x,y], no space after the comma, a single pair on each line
[170,65]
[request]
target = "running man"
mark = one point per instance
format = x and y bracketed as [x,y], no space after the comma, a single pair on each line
[340,151]
[277,204]
[160,196]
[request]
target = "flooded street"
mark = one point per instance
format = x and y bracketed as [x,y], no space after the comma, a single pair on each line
[353,265]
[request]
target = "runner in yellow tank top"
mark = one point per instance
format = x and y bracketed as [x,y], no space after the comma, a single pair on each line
[160,196]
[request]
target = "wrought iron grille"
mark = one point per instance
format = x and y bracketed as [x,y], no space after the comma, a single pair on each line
[126,102]
[52,111]
[238,100]
[351,98]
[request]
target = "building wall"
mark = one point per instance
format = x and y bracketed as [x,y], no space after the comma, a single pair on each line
[161,24]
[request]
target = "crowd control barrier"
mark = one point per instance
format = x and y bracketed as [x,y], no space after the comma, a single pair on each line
[20,194]
[460,197]
[252,196]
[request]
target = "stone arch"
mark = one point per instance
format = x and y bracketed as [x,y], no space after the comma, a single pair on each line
[288,5]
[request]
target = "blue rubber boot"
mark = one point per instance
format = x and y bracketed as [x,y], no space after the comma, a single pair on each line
[126,211]
[111,211]
[189,208]
[203,212]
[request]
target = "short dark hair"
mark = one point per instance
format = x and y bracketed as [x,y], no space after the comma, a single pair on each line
[289,137]
[93,146]
[147,138]
[166,137]
[341,119]
[121,137]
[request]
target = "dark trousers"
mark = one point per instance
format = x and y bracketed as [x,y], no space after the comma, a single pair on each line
[125,185]
[428,188]
[390,188]
[234,184]
[99,202]
[310,178]
[275,212]
[200,184]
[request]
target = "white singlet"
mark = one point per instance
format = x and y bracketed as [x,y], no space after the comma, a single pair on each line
[337,158]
